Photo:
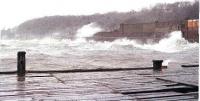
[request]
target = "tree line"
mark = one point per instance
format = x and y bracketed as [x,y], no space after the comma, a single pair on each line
[68,25]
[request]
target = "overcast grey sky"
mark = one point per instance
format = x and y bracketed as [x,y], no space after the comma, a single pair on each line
[14,12]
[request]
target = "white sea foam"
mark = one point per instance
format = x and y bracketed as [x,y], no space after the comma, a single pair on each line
[174,43]
[88,30]
[52,46]
[166,62]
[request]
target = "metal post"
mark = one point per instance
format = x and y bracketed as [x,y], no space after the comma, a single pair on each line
[157,64]
[21,63]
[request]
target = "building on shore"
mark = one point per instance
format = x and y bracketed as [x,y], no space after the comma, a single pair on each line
[190,30]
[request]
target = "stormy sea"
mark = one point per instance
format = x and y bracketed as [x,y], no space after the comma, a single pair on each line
[51,53]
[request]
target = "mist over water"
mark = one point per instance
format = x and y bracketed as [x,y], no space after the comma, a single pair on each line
[52,53]
[88,30]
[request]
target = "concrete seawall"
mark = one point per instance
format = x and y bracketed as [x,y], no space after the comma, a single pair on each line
[146,31]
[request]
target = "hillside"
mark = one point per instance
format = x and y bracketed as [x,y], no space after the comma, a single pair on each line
[68,25]
[177,12]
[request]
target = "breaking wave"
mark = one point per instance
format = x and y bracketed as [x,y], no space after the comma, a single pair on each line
[88,30]
[174,43]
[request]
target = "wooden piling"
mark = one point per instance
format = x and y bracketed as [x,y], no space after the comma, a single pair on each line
[157,64]
[21,63]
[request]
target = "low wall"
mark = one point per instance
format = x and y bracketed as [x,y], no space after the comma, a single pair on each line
[155,31]
[156,27]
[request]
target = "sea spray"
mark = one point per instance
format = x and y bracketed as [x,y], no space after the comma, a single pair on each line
[88,30]
[52,46]
[166,62]
[174,43]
